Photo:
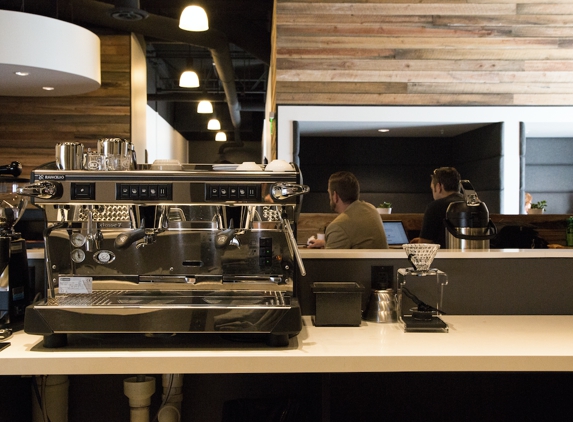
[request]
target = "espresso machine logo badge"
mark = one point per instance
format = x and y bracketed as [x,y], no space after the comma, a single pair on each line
[51,177]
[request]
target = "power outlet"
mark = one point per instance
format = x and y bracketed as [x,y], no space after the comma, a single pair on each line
[381,277]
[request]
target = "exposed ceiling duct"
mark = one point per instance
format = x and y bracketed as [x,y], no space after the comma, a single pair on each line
[160,27]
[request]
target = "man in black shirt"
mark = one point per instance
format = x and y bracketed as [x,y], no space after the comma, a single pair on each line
[445,187]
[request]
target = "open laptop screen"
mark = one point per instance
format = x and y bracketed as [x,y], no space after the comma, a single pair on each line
[395,233]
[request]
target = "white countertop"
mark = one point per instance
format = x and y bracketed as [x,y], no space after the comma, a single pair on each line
[38,253]
[306,253]
[474,343]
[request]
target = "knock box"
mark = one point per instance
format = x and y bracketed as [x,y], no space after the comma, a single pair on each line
[338,303]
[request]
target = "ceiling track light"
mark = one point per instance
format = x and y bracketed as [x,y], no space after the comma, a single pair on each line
[194,18]
[214,124]
[205,107]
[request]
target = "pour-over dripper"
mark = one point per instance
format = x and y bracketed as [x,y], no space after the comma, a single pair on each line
[421,255]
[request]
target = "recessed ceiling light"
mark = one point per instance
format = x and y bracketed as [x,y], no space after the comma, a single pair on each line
[48,88]
[383,130]
[22,73]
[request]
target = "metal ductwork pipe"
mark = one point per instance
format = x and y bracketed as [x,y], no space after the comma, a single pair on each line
[155,26]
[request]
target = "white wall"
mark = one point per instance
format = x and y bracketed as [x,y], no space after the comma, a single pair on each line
[152,136]
[138,95]
[163,142]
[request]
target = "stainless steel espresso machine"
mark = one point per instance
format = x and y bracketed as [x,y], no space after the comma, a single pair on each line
[191,248]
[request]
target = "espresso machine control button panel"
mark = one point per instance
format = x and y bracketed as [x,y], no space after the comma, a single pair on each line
[138,191]
[218,192]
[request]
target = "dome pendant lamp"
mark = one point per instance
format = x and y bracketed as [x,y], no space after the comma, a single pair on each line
[189,78]
[205,107]
[214,124]
[194,18]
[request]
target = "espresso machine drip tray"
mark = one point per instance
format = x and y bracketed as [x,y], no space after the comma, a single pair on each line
[195,299]
[271,315]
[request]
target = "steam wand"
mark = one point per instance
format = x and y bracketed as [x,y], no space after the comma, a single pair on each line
[46,235]
[125,240]
[291,242]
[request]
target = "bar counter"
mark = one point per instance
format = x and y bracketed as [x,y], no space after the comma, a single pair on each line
[473,343]
[396,253]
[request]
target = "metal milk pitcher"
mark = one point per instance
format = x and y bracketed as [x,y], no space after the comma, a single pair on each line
[69,155]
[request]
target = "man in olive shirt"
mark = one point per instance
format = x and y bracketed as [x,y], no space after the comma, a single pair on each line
[358,225]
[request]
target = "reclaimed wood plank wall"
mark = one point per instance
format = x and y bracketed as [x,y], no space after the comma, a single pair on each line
[424,52]
[30,127]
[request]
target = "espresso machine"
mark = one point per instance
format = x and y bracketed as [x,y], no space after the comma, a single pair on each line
[168,249]
[15,290]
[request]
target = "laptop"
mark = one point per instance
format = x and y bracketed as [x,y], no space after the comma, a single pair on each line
[395,233]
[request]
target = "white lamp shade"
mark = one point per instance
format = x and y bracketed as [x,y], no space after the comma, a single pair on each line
[194,18]
[189,79]
[205,107]
[214,124]
[221,136]
[51,53]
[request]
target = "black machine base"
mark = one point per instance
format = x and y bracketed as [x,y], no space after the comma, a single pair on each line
[273,325]
[433,324]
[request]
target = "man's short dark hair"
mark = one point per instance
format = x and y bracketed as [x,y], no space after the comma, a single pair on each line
[448,177]
[346,185]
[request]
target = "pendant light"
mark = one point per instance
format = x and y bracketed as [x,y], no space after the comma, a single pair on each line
[194,18]
[189,78]
[221,137]
[214,124]
[205,107]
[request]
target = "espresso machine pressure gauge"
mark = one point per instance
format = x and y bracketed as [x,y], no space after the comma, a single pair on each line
[78,256]
[78,240]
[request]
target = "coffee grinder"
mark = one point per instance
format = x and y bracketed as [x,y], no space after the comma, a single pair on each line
[15,290]
[420,291]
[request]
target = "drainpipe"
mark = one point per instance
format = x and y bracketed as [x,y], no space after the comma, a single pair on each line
[53,395]
[172,397]
[139,390]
